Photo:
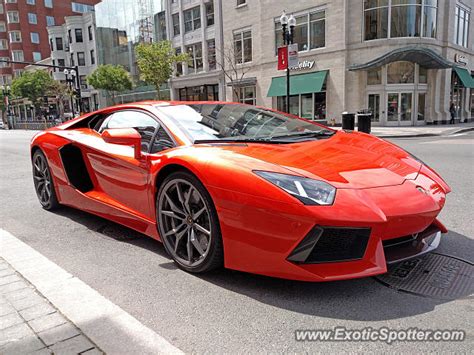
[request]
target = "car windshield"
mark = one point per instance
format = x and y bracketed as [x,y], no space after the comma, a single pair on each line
[239,122]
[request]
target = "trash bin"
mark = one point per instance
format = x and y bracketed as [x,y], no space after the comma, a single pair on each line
[348,121]
[364,122]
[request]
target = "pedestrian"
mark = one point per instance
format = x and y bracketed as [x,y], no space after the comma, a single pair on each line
[452,111]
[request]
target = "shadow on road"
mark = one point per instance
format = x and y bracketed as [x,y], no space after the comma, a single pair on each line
[359,299]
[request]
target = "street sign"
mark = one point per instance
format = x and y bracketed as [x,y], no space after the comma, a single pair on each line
[293,55]
[282,58]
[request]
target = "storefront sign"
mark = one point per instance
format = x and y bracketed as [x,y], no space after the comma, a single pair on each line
[460,59]
[293,55]
[305,64]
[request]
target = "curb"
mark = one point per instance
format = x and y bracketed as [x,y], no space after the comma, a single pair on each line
[414,135]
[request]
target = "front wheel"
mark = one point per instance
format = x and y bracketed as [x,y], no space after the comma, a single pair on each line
[188,223]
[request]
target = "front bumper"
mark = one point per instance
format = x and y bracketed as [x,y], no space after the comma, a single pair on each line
[261,235]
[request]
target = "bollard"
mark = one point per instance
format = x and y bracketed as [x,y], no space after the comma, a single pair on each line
[348,121]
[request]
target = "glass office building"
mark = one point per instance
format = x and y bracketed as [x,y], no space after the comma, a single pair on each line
[120,26]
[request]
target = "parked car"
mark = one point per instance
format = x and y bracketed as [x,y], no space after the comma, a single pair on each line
[245,187]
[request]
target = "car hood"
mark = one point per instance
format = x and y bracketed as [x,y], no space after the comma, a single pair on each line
[345,160]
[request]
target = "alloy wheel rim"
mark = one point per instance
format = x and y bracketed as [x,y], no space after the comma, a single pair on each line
[185,222]
[42,179]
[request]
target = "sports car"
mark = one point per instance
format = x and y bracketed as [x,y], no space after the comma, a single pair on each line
[247,188]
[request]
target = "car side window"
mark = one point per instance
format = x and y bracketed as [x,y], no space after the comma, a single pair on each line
[161,141]
[143,123]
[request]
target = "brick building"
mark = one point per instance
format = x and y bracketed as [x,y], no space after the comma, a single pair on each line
[23,29]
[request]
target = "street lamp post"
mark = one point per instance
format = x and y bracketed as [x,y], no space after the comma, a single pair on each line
[288,26]
[70,75]
[6,100]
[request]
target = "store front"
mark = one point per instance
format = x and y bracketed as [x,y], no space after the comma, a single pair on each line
[199,93]
[398,85]
[462,86]
[307,94]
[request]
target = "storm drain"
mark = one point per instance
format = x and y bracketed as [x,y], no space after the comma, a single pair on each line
[434,275]
[118,232]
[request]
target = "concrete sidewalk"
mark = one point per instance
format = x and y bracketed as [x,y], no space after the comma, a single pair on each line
[421,131]
[46,310]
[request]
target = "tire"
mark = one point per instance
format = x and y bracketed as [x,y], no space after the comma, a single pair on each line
[188,224]
[43,181]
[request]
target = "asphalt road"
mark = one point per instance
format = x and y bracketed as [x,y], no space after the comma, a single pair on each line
[229,311]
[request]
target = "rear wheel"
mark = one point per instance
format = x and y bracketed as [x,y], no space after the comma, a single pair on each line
[44,182]
[188,223]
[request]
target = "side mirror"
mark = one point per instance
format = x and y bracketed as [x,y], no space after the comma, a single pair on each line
[124,136]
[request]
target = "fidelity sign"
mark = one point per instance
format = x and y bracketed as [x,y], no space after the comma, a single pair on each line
[305,64]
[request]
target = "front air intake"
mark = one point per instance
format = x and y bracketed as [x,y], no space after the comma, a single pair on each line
[331,244]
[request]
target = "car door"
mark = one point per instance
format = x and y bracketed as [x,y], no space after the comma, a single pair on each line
[119,176]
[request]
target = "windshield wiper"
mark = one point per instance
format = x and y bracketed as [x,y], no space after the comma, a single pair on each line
[265,140]
[316,134]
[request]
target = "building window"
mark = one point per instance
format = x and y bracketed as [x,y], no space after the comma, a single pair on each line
[161,26]
[243,46]
[311,106]
[32,18]
[374,76]
[461,26]
[78,35]
[192,19]
[414,18]
[241,2]
[176,24]
[51,44]
[195,64]
[422,75]
[10,1]
[211,54]
[69,36]
[210,13]
[50,21]
[17,73]
[3,44]
[18,56]
[247,95]
[401,73]
[12,17]
[199,93]
[92,57]
[81,59]
[59,43]
[35,38]
[309,32]
[4,64]
[81,8]
[15,36]
[72,60]
[31,2]
[61,62]
[48,3]
[36,56]
[3,26]
[89,31]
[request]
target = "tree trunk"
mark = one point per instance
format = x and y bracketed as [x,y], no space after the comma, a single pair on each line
[158,94]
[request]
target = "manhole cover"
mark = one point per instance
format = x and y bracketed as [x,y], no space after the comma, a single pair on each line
[118,232]
[434,275]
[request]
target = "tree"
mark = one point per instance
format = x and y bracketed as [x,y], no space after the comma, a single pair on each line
[60,91]
[156,62]
[111,78]
[32,85]
[233,70]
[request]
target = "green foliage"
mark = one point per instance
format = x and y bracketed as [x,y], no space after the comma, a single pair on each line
[156,62]
[32,85]
[111,78]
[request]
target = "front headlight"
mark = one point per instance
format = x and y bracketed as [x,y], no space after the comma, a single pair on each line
[308,191]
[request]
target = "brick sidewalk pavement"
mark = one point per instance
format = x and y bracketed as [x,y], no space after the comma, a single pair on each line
[30,324]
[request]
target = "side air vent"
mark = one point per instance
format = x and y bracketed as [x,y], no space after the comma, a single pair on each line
[331,244]
[75,168]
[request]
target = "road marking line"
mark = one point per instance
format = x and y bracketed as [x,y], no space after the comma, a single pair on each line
[106,324]
[454,141]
